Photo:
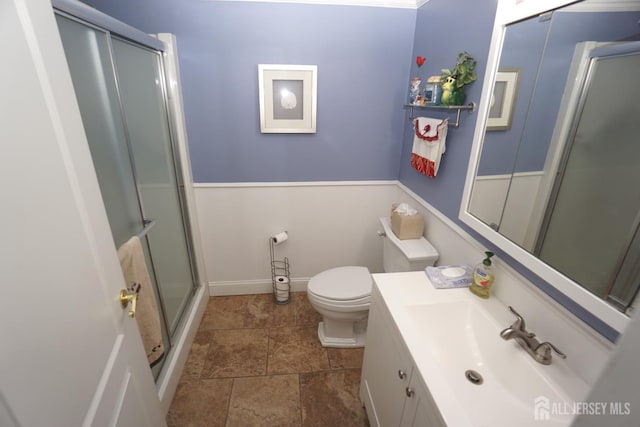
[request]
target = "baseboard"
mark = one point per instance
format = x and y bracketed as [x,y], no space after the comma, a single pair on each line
[169,377]
[293,184]
[247,287]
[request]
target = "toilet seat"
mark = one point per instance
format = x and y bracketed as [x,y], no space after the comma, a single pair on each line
[351,284]
[337,305]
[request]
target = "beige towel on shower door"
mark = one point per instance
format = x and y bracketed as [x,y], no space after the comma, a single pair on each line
[136,276]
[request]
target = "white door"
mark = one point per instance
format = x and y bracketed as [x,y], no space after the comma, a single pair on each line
[69,354]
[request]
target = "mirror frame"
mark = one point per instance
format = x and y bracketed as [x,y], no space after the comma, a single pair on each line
[509,12]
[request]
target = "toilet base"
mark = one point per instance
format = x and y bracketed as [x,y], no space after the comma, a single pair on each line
[356,339]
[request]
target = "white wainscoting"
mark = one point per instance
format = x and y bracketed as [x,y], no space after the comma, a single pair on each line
[334,224]
[329,224]
[517,222]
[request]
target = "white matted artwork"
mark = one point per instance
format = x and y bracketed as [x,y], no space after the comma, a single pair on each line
[288,98]
[503,99]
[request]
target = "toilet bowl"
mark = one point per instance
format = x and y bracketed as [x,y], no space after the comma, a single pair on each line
[342,294]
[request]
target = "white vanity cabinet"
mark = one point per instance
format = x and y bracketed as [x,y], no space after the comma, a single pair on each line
[392,389]
[419,409]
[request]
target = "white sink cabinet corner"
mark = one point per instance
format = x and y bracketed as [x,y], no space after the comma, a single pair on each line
[421,345]
[392,389]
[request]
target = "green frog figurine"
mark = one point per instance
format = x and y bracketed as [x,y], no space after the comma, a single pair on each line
[451,94]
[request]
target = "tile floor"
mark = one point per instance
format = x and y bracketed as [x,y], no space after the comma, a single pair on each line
[255,363]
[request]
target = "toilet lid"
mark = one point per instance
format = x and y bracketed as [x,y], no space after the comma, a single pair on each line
[342,283]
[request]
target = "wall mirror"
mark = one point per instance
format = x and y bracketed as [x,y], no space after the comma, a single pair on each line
[556,184]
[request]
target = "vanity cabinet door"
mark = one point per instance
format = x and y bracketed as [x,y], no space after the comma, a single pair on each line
[419,408]
[386,370]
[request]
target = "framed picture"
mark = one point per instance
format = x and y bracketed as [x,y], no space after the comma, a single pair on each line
[288,98]
[503,99]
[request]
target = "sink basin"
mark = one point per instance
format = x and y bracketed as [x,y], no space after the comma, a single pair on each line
[461,335]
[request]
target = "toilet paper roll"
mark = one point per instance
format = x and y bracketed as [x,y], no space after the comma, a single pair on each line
[280,237]
[282,280]
[282,288]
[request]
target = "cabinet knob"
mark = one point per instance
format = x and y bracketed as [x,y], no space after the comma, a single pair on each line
[402,374]
[409,392]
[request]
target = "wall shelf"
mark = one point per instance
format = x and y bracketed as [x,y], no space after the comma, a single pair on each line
[471,107]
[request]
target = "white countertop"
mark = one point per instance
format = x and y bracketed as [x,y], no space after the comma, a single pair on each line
[402,290]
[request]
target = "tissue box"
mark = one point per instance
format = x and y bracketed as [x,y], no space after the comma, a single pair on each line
[407,226]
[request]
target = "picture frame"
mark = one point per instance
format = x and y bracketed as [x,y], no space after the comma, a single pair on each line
[288,98]
[503,99]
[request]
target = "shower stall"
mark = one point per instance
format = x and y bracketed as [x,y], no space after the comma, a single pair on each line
[119,79]
[591,228]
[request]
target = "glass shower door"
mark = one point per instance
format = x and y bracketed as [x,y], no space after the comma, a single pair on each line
[140,79]
[87,52]
[596,209]
[120,91]
[89,59]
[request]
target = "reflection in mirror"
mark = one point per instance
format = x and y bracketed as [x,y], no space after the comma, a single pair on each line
[562,180]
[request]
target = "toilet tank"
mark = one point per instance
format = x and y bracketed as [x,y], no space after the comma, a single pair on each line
[405,255]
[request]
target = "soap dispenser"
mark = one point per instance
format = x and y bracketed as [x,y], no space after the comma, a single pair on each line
[482,277]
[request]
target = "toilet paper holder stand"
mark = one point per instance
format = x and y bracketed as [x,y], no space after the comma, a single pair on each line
[279,276]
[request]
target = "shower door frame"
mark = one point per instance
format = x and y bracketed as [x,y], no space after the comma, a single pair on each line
[175,164]
[596,52]
[114,29]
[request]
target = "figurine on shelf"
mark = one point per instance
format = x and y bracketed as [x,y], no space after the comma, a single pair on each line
[433,91]
[453,80]
[451,95]
[414,90]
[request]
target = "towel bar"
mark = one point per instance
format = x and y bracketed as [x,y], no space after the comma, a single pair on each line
[471,107]
[148,225]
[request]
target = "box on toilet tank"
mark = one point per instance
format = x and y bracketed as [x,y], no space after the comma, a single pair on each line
[407,226]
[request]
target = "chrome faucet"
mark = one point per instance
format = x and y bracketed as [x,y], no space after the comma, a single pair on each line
[541,352]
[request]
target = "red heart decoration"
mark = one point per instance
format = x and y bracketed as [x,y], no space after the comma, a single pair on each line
[420,60]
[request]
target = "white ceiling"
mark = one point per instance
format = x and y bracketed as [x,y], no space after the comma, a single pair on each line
[402,4]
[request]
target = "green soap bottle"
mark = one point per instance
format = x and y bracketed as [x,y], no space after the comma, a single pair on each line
[482,277]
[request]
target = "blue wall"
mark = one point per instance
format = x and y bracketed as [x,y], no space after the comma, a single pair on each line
[363,59]
[444,28]
[523,48]
[567,29]
[524,44]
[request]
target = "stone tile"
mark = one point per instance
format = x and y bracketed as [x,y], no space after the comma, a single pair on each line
[200,403]
[340,358]
[197,355]
[331,399]
[237,353]
[226,312]
[195,362]
[262,312]
[306,315]
[229,344]
[265,401]
[296,349]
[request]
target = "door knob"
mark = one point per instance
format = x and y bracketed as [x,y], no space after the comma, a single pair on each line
[128,295]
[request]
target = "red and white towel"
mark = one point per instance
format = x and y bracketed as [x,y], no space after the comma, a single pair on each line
[428,144]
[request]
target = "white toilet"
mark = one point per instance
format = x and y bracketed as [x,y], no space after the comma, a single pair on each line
[341,295]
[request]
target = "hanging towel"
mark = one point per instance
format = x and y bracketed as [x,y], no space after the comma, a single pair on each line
[137,278]
[428,144]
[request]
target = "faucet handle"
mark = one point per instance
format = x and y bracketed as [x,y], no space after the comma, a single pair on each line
[543,352]
[519,323]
